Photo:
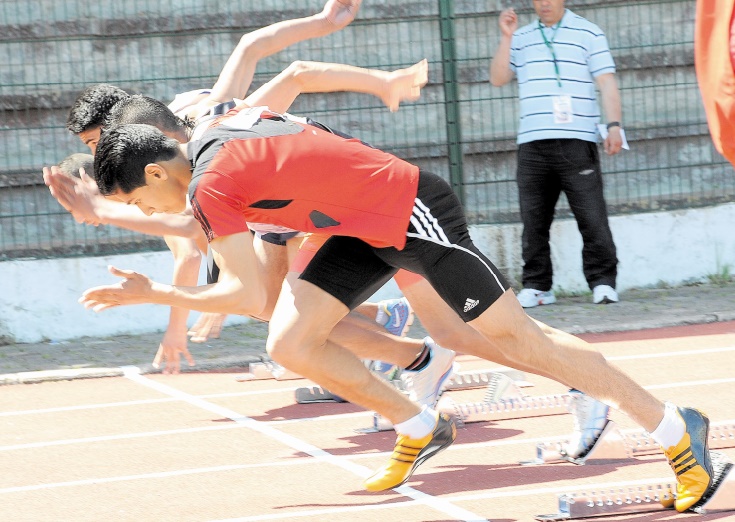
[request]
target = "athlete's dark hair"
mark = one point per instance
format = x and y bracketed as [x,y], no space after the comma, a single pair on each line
[147,110]
[72,163]
[123,153]
[92,106]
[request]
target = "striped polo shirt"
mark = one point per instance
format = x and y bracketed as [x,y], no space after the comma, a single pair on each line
[582,53]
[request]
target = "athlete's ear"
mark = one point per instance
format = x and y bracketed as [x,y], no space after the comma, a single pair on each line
[155,172]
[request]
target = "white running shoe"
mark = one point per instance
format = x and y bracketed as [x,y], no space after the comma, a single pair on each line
[604,294]
[425,386]
[590,418]
[530,297]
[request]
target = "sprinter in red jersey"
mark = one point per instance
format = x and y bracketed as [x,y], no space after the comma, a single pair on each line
[384,214]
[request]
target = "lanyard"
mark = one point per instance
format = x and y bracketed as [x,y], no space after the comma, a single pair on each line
[550,45]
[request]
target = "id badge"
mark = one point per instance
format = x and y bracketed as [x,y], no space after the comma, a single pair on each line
[562,109]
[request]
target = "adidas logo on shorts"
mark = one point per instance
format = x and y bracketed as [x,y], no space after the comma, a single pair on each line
[470,304]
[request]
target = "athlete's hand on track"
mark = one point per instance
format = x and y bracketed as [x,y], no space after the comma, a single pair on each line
[208,326]
[172,347]
[340,13]
[135,288]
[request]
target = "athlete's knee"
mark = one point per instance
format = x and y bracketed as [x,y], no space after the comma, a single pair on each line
[292,346]
[281,348]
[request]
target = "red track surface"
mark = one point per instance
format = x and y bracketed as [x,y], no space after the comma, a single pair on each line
[206,447]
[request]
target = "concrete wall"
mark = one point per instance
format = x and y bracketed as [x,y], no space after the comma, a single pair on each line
[38,300]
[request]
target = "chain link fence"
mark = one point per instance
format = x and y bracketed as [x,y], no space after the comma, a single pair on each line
[462,127]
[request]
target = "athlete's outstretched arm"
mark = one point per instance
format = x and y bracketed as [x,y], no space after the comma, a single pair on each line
[81,197]
[311,77]
[237,291]
[237,74]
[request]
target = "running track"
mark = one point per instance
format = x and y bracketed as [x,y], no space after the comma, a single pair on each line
[198,447]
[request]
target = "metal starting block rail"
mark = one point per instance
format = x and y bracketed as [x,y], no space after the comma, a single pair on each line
[482,378]
[268,370]
[644,498]
[505,408]
[616,444]
[513,380]
[502,409]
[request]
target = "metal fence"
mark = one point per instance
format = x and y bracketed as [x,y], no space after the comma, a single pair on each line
[462,128]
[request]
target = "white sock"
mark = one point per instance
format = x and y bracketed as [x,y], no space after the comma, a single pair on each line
[381,317]
[671,429]
[419,426]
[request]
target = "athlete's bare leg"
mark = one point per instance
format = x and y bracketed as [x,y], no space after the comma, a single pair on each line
[363,337]
[448,330]
[301,324]
[566,359]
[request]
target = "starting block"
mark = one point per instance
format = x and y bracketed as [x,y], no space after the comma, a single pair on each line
[503,400]
[504,408]
[483,378]
[267,370]
[502,382]
[616,444]
[311,394]
[646,498]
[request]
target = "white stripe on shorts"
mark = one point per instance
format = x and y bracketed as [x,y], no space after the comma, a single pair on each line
[428,229]
[429,225]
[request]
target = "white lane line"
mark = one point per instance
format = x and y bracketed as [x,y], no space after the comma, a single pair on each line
[706,382]
[135,403]
[356,414]
[439,504]
[291,389]
[669,354]
[149,476]
[85,407]
[124,436]
[518,493]
[322,418]
[331,511]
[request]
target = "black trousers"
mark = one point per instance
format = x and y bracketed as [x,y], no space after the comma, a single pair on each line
[545,168]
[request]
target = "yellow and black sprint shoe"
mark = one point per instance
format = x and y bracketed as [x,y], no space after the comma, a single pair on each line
[409,454]
[690,459]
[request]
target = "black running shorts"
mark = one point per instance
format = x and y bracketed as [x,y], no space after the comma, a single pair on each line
[438,247]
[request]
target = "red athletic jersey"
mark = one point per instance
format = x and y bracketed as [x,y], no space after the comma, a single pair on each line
[271,170]
[714,54]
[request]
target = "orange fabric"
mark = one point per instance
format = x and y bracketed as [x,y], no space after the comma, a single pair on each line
[307,250]
[404,278]
[714,56]
[300,177]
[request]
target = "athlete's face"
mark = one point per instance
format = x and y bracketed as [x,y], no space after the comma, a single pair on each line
[160,194]
[549,11]
[90,137]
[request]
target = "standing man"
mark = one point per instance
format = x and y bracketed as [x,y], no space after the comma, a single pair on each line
[558,59]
